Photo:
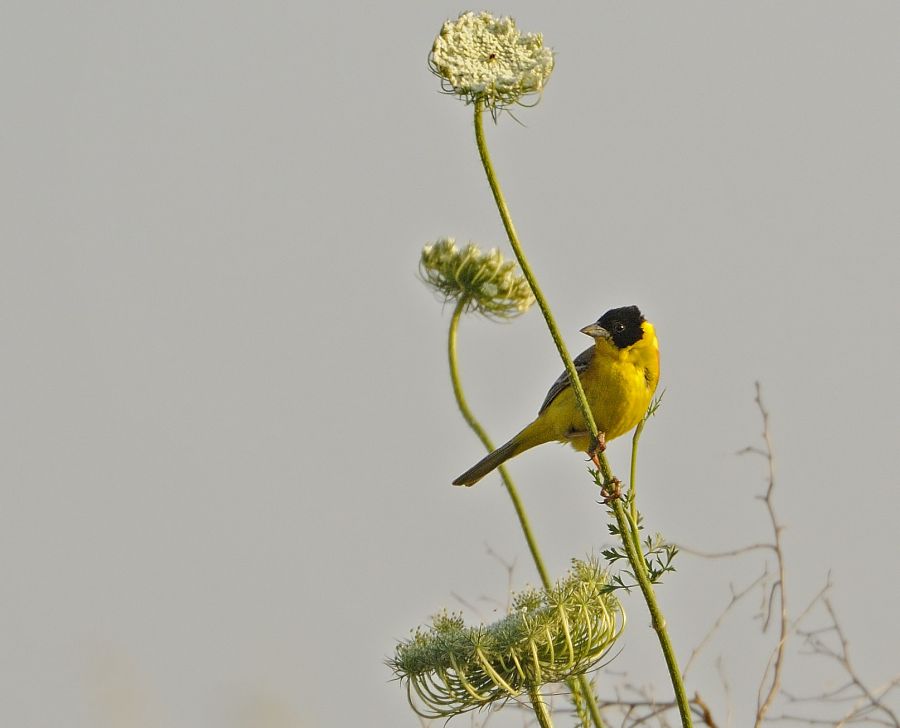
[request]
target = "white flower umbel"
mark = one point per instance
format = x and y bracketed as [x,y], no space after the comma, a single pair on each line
[480,57]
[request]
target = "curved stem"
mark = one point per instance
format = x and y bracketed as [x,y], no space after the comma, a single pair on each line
[634,556]
[486,441]
[540,708]
[526,269]
[582,685]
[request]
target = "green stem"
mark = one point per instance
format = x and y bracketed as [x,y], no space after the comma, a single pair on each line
[583,686]
[632,545]
[632,482]
[526,269]
[590,699]
[486,441]
[540,708]
[635,557]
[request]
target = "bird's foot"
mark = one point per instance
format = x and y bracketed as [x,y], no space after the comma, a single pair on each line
[599,447]
[611,491]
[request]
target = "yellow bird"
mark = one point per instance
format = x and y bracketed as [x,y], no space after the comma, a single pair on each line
[619,374]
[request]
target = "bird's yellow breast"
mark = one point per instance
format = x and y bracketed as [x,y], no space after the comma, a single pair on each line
[619,385]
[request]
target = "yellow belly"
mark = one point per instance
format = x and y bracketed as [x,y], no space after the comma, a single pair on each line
[618,390]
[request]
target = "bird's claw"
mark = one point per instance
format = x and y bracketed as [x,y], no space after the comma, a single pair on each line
[599,447]
[611,491]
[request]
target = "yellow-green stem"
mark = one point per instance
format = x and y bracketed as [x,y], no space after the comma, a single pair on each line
[635,557]
[469,417]
[540,708]
[582,683]
[526,268]
[632,544]
[632,482]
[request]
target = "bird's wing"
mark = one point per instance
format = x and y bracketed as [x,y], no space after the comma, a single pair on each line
[581,363]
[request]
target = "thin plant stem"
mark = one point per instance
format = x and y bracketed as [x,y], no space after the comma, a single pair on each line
[526,269]
[469,417]
[540,708]
[632,544]
[635,556]
[632,481]
[583,685]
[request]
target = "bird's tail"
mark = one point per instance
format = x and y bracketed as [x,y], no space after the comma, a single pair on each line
[520,443]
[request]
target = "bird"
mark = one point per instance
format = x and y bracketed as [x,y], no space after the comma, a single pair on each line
[619,374]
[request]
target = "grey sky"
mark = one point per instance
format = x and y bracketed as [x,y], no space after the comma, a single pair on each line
[227,427]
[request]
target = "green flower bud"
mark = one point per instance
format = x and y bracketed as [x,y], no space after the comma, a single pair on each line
[486,282]
[480,57]
[547,637]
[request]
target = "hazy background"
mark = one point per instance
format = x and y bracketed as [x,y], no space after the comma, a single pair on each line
[227,429]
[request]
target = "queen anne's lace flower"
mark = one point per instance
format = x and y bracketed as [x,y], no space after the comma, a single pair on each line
[547,637]
[486,282]
[483,58]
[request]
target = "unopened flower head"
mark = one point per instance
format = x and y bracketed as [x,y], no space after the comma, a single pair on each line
[483,58]
[548,637]
[485,282]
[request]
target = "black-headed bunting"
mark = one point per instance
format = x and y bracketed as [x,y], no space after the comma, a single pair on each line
[619,374]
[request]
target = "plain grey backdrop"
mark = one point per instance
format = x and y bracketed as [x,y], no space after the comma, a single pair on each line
[226,428]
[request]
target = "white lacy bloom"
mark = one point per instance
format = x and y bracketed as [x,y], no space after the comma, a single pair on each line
[480,57]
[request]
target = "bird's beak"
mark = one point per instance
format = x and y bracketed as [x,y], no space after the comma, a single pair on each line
[596,331]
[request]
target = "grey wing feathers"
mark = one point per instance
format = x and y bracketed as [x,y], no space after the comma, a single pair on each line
[581,363]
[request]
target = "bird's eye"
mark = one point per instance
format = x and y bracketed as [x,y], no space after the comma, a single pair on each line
[618,327]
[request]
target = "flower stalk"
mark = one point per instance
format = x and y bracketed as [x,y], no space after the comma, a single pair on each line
[476,427]
[630,540]
[540,708]
[488,63]
[581,689]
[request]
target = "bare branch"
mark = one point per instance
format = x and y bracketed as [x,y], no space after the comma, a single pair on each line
[776,664]
[735,598]
[867,704]
[726,554]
